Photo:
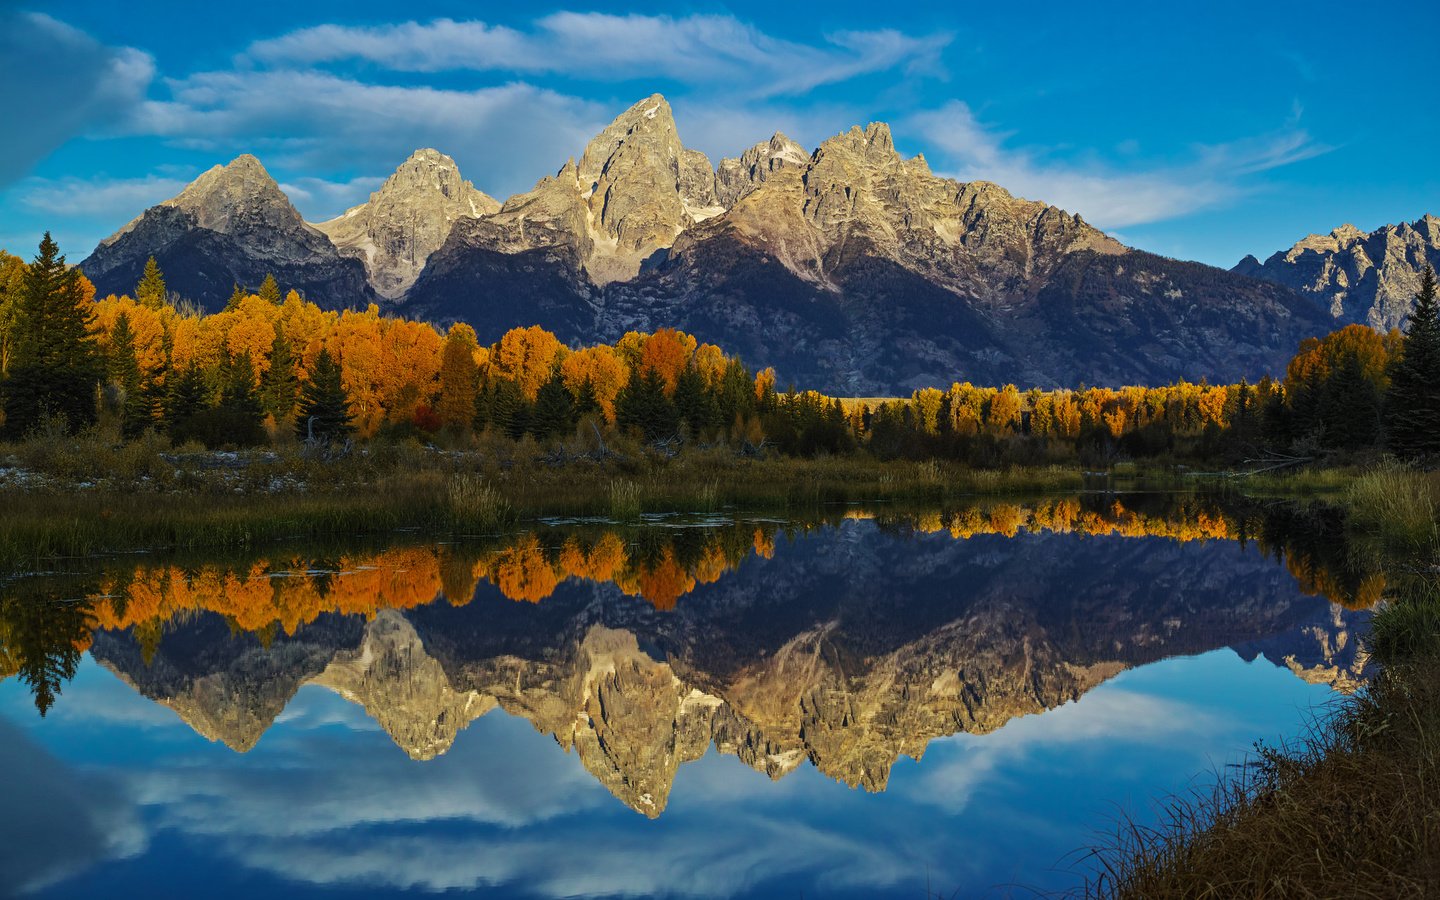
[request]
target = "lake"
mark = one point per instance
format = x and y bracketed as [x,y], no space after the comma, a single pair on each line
[854,703]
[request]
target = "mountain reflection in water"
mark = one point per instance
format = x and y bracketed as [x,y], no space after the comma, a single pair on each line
[845,641]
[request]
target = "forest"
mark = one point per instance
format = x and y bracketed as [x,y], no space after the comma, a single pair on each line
[274,369]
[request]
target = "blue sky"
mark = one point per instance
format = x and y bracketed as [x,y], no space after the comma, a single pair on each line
[1204,132]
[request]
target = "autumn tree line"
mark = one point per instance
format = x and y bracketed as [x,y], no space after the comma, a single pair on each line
[272,365]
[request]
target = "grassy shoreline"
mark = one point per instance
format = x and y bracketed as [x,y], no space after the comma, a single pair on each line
[1353,808]
[187,502]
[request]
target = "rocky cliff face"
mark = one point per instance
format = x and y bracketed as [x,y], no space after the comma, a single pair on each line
[397,229]
[1369,278]
[232,225]
[851,269]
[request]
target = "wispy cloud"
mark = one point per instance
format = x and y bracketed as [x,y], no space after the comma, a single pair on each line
[1213,175]
[315,121]
[97,196]
[708,50]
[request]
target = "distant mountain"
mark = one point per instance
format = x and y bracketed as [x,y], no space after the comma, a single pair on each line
[397,229]
[851,269]
[232,225]
[1365,277]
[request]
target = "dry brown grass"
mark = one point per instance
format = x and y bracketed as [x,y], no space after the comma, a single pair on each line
[1353,810]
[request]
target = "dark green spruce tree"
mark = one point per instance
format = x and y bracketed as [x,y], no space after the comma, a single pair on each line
[151,290]
[642,405]
[187,399]
[55,366]
[240,412]
[324,406]
[1412,403]
[270,290]
[554,414]
[123,368]
[280,384]
[507,409]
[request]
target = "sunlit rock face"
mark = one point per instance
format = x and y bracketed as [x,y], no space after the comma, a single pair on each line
[1370,278]
[396,230]
[231,226]
[845,650]
[852,269]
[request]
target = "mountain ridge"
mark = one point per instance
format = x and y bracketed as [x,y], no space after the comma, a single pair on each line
[850,269]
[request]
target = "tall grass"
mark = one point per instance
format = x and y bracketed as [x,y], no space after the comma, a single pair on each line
[1351,810]
[625,503]
[1396,504]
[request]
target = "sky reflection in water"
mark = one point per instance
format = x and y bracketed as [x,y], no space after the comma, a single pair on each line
[113,794]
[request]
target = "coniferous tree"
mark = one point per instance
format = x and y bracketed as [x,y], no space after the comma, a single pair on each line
[123,369]
[237,294]
[55,366]
[1351,404]
[643,405]
[1412,403]
[240,411]
[151,289]
[508,410]
[324,412]
[270,290]
[186,399]
[280,384]
[554,410]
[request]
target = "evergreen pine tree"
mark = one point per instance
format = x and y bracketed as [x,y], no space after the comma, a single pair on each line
[508,409]
[694,403]
[186,398]
[241,411]
[55,367]
[270,290]
[280,384]
[151,289]
[586,403]
[1412,403]
[643,405]
[1351,404]
[324,407]
[554,410]
[123,369]
[237,294]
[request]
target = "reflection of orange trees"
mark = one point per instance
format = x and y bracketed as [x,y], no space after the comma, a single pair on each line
[1185,522]
[528,571]
[266,595]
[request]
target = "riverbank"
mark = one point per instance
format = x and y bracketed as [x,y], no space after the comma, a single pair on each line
[1353,810]
[83,500]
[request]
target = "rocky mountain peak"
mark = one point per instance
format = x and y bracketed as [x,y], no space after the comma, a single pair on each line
[407,219]
[634,190]
[736,178]
[1361,277]
[237,196]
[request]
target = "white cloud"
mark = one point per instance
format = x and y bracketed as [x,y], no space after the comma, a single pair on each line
[503,137]
[708,50]
[60,82]
[319,199]
[1106,197]
[98,196]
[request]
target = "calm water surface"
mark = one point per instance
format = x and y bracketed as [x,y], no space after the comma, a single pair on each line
[730,707]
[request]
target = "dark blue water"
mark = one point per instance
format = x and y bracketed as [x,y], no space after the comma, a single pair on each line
[864,713]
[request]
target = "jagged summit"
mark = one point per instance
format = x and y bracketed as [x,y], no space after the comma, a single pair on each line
[232,225]
[1362,277]
[852,268]
[407,219]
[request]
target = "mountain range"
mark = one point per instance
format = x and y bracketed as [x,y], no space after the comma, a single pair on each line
[850,268]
